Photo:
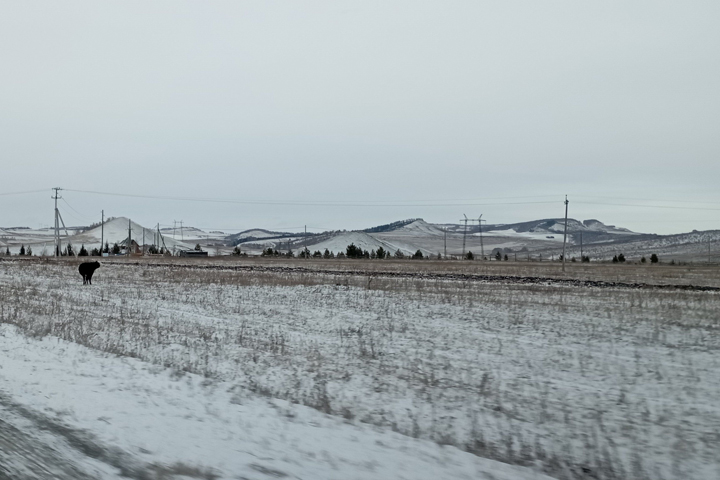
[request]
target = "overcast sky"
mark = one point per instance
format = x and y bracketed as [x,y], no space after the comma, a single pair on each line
[343,115]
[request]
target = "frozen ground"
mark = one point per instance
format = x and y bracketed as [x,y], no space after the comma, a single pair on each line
[107,416]
[308,375]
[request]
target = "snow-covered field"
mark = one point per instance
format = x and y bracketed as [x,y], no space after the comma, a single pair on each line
[301,375]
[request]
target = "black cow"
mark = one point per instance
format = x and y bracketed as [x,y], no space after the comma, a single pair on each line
[87,269]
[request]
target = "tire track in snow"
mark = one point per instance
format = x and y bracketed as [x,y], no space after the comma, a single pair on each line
[34,446]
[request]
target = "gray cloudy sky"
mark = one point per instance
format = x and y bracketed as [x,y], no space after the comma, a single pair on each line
[400,109]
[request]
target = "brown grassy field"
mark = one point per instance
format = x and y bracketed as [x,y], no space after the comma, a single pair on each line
[658,274]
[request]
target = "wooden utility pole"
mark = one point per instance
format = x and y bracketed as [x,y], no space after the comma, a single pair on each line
[445,242]
[464,234]
[102,231]
[482,248]
[57,221]
[565,234]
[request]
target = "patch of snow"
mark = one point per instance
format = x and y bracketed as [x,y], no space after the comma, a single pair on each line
[161,417]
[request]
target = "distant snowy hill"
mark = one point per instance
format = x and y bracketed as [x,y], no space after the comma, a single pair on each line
[255,234]
[366,241]
[543,236]
[116,231]
[703,246]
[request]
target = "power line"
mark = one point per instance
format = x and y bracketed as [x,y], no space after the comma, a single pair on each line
[83,217]
[648,206]
[298,203]
[648,199]
[25,192]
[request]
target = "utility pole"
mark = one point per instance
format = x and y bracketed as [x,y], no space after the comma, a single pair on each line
[482,248]
[305,252]
[565,234]
[129,241]
[581,247]
[162,240]
[102,232]
[57,221]
[464,234]
[182,237]
[445,242]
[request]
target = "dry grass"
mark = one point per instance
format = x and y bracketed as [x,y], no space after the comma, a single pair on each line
[658,274]
[579,382]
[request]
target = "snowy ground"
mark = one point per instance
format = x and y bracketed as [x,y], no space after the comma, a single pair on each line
[143,418]
[305,375]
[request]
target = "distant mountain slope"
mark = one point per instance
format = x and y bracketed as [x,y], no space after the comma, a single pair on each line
[684,246]
[338,243]
[116,231]
[391,226]
[255,234]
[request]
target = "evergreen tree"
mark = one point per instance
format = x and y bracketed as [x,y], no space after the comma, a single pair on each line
[317,254]
[198,248]
[106,249]
[643,259]
[373,254]
[399,254]
[505,257]
[654,258]
[351,251]
[497,255]
[366,254]
[29,251]
[615,259]
[70,251]
[585,259]
[326,254]
[96,253]
[470,256]
[82,252]
[7,251]
[22,251]
[418,255]
[621,258]
[116,249]
[236,251]
[380,253]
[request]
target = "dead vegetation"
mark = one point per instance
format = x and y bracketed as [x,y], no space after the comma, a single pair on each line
[578,382]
